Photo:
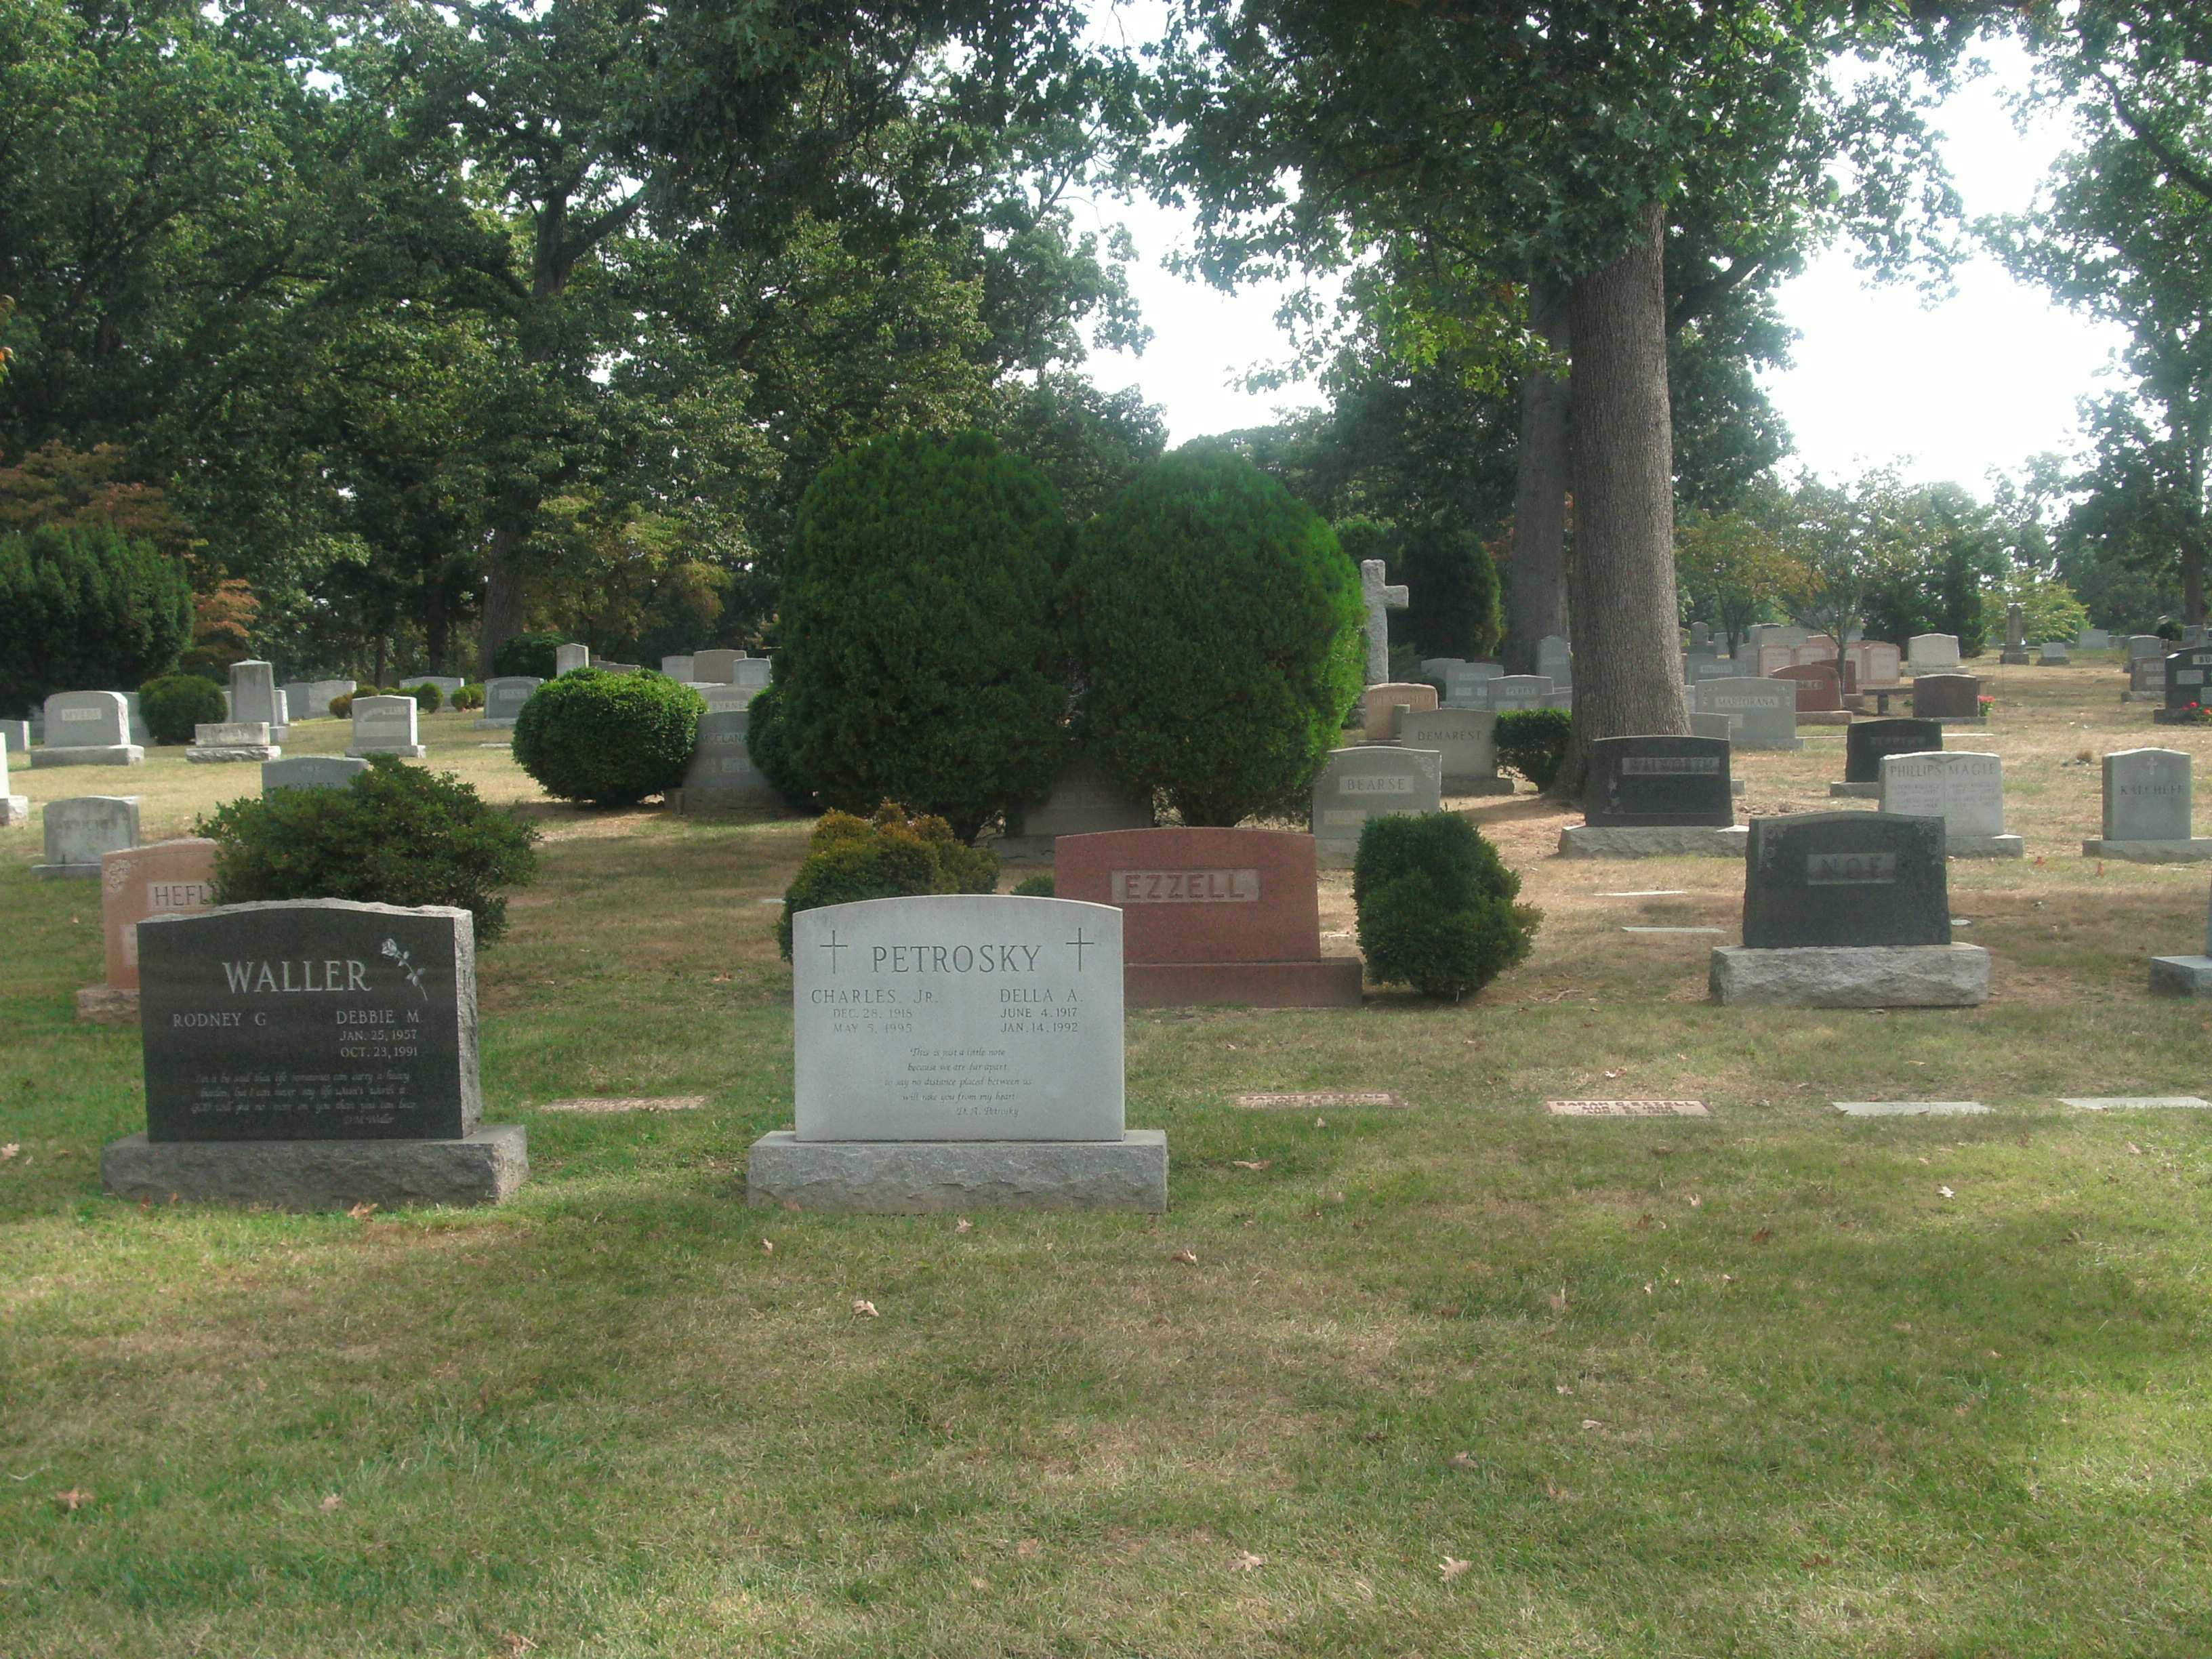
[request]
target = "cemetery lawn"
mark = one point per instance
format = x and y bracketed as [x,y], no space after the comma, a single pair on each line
[1457,1379]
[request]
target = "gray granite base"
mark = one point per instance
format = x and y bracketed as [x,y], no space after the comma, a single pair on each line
[66,871]
[1852,976]
[1856,791]
[1492,786]
[101,1005]
[101,754]
[932,1177]
[216,754]
[320,1174]
[1984,847]
[1653,840]
[15,809]
[409,750]
[2181,976]
[495,725]
[1780,743]
[2198,851]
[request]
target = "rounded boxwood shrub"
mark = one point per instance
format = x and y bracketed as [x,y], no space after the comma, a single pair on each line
[1036,887]
[427,697]
[397,835]
[767,740]
[921,660]
[890,856]
[529,656]
[1533,742]
[341,705]
[469,696]
[175,703]
[81,607]
[1217,630]
[608,740]
[1436,905]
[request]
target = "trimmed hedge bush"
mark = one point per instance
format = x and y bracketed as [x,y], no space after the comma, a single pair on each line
[427,698]
[608,740]
[527,654]
[469,696]
[890,856]
[1436,905]
[767,740]
[175,703]
[397,835]
[1037,886]
[921,660]
[342,704]
[1216,628]
[83,608]
[1533,742]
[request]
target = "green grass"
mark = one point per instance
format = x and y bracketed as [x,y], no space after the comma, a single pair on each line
[1747,1386]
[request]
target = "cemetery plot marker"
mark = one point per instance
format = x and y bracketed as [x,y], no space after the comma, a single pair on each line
[1305,1099]
[1908,1108]
[79,832]
[87,728]
[1965,791]
[2134,1103]
[2148,809]
[1653,797]
[1626,1108]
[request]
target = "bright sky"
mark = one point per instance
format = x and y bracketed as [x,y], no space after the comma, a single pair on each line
[1981,380]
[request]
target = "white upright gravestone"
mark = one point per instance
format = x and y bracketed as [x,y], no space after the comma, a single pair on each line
[959,1051]
[1381,599]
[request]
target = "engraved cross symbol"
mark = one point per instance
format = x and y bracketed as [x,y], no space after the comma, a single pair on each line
[1079,942]
[833,947]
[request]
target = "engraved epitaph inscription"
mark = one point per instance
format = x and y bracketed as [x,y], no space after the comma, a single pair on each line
[1850,869]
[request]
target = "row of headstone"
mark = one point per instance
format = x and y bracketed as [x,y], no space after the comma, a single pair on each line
[386,725]
[80,830]
[87,728]
[2147,816]
[504,696]
[217,742]
[311,700]
[163,877]
[1963,789]
[1761,714]
[1504,693]
[1657,797]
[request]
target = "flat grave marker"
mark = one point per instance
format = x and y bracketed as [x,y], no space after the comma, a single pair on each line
[2135,1102]
[1308,1099]
[1908,1108]
[1626,1108]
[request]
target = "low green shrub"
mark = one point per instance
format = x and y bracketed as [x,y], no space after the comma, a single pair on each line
[767,740]
[608,740]
[1436,905]
[1534,743]
[341,705]
[469,696]
[427,697]
[175,703]
[397,835]
[1036,887]
[891,856]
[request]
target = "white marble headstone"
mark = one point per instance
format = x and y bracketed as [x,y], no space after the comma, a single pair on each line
[2147,795]
[959,1017]
[1963,789]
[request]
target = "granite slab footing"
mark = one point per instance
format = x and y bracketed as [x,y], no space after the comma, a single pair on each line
[408,750]
[1824,717]
[483,1168]
[216,755]
[1856,791]
[102,1004]
[66,871]
[2181,976]
[1955,720]
[1984,847]
[935,1177]
[15,809]
[102,754]
[1851,976]
[1653,840]
[1739,744]
[2015,659]
[495,725]
[1330,982]
[2150,852]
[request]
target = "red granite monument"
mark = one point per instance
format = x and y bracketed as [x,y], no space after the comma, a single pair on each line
[1212,916]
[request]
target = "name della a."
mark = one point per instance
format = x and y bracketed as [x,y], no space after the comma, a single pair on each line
[248,978]
[1037,995]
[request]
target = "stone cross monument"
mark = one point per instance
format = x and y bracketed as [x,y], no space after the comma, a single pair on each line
[1381,599]
[2015,645]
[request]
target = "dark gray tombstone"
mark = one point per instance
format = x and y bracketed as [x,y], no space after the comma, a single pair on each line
[312,1019]
[1845,879]
[1636,783]
[1865,742]
[311,772]
[1947,697]
[2185,673]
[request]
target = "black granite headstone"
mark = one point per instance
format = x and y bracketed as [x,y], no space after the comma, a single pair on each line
[1643,781]
[1865,742]
[313,1019]
[2186,672]
[1847,878]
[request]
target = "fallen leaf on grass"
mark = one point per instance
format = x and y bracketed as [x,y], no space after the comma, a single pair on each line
[964,1226]
[1249,1164]
[519,1644]
[1647,1289]
[8,1151]
[864,1309]
[362,1212]
[2132,1147]
[1462,1460]
[979,1583]
[1321,1123]
[1945,1191]
[1762,1234]
[768,1247]
[1822,1560]
[1188,1258]
[331,1504]
[1452,1567]
[1029,1549]
[1244,1561]
[1592,1423]
[1663,1152]
[72,1500]
[1617,1070]
[1644,1223]
[1330,1195]
[1559,1300]
[1728,1278]
[1695,1200]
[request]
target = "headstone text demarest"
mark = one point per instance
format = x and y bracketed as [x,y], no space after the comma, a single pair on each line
[310,1019]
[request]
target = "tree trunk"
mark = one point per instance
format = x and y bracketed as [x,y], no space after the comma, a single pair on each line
[1626,633]
[2192,543]
[503,599]
[436,628]
[1537,588]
